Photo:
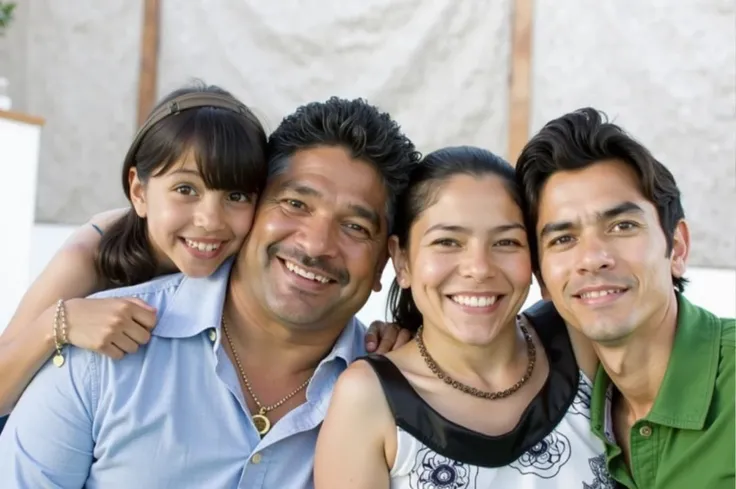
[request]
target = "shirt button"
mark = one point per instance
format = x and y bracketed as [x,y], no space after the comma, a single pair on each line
[645,431]
[256,458]
[213,335]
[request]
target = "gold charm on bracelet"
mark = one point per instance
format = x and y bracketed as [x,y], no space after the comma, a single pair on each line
[58,360]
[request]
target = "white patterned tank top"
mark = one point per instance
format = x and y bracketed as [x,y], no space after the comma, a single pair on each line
[552,447]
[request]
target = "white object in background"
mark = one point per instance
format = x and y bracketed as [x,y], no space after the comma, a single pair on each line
[5,102]
[20,136]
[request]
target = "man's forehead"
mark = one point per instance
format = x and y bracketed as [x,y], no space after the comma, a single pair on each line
[593,189]
[331,174]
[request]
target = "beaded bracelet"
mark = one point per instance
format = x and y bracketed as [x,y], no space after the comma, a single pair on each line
[60,336]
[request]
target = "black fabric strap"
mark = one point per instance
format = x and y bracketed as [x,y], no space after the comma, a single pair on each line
[413,415]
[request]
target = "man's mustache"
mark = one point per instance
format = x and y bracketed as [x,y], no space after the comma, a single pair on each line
[297,256]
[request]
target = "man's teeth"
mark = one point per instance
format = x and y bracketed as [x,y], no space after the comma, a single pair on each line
[594,294]
[202,246]
[474,300]
[303,273]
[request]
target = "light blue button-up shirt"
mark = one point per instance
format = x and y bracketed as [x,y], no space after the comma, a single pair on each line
[171,415]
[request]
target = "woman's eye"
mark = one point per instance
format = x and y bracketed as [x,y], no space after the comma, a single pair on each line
[446,242]
[185,190]
[508,242]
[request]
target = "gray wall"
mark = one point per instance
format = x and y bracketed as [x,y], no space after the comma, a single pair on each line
[666,71]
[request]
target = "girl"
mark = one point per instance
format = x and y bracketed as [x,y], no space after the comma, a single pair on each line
[479,399]
[192,174]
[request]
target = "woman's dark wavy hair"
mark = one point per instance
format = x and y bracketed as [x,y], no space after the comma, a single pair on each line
[229,149]
[580,139]
[426,181]
[355,125]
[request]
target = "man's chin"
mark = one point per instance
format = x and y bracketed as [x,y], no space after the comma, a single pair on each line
[607,333]
[292,310]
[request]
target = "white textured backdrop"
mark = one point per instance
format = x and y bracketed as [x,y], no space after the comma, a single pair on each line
[665,70]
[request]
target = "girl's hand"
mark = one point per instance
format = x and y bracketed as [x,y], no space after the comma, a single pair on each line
[112,327]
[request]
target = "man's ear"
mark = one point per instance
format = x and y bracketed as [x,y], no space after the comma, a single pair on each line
[382,260]
[137,193]
[680,249]
[401,262]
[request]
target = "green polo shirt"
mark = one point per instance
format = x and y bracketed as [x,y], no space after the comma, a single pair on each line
[687,439]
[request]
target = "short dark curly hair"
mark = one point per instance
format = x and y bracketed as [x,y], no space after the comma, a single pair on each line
[580,139]
[355,125]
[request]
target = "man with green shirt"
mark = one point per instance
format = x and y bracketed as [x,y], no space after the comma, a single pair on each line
[609,238]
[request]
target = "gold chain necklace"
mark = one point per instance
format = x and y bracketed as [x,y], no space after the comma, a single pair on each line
[531,351]
[260,420]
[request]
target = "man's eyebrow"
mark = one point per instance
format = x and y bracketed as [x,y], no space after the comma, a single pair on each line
[367,214]
[622,208]
[299,188]
[605,215]
[359,210]
[555,227]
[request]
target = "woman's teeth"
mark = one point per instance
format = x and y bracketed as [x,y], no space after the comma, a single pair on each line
[474,300]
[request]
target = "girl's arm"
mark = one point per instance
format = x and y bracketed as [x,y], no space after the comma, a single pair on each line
[351,444]
[100,325]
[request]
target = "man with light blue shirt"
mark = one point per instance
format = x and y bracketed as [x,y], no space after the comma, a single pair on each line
[232,387]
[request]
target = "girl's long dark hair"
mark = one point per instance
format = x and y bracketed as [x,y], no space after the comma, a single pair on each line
[230,150]
[426,182]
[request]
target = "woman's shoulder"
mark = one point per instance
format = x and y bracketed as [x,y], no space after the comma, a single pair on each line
[358,397]
[358,384]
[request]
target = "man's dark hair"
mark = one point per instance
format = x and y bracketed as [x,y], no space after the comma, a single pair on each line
[580,139]
[360,128]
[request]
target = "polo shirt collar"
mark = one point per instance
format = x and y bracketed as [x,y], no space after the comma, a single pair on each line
[686,392]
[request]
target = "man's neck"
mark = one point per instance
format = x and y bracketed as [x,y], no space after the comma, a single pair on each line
[262,340]
[638,364]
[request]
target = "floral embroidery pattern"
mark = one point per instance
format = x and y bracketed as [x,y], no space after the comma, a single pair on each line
[600,472]
[581,403]
[434,471]
[546,458]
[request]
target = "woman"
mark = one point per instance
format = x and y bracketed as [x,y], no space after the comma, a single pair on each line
[479,399]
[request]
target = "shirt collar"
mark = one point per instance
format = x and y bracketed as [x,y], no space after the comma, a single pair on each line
[349,346]
[351,342]
[196,305]
[692,368]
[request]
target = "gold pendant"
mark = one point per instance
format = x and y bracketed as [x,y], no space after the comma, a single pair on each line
[261,422]
[58,360]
